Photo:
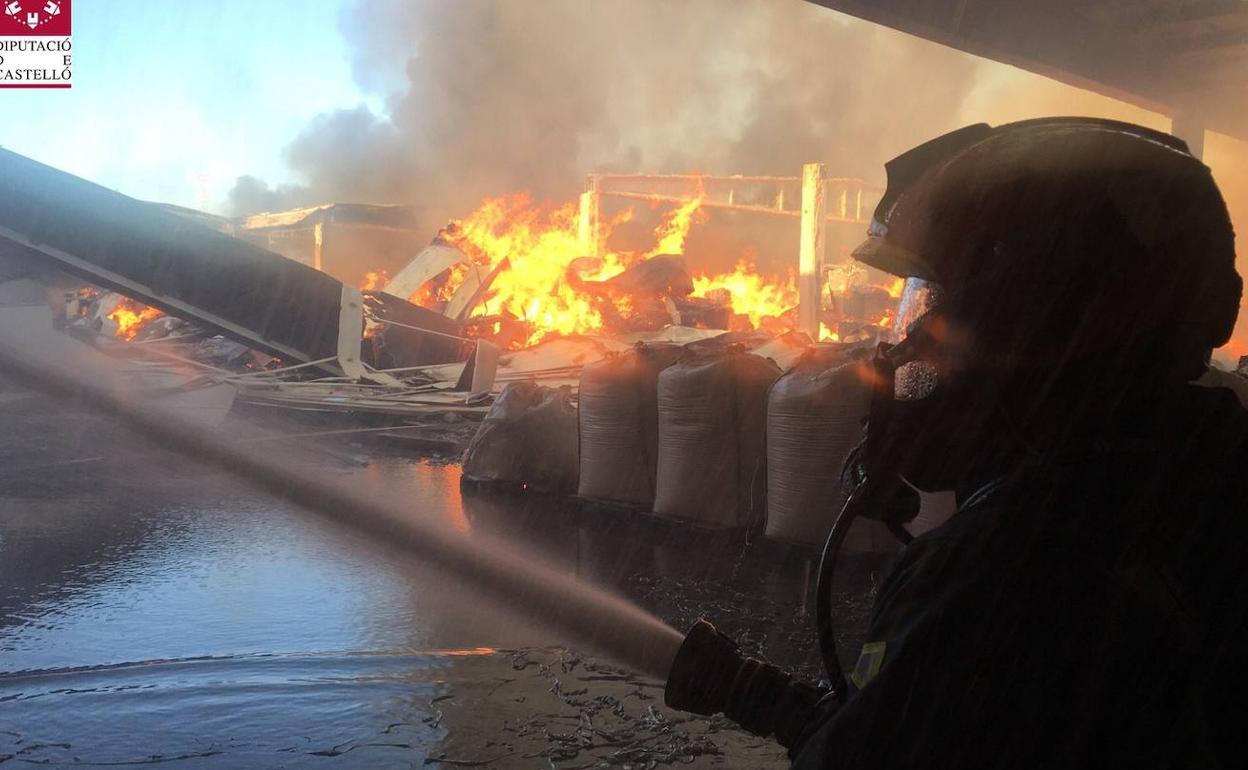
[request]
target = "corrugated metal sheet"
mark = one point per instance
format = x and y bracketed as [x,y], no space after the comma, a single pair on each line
[168,261]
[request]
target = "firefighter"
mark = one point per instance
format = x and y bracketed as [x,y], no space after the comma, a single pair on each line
[1068,279]
[1087,605]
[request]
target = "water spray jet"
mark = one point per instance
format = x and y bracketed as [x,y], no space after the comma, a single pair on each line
[703,670]
[585,615]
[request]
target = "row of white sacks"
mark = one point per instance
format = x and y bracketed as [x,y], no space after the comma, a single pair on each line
[711,435]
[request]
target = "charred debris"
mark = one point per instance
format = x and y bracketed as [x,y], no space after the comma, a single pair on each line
[276,306]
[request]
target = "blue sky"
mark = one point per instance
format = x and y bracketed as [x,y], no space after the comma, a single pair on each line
[173,99]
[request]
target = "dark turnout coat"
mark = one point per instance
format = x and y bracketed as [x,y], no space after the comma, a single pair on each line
[1088,611]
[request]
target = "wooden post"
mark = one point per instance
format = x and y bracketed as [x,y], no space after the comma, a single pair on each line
[811,246]
[587,222]
[318,245]
[1190,128]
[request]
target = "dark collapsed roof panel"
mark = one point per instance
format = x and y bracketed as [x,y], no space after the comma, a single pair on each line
[167,260]
[1186,58]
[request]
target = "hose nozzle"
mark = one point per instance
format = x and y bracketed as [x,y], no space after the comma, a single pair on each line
[710,675]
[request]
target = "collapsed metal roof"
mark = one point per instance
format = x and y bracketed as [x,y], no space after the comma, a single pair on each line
[170,261]
[1188,60]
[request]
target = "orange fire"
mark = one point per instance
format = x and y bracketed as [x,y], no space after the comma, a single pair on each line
[437,292]
[544,279]
[544,253]
[675,227]
[545,262]
[130,317]
[374,280]
[540,244]
[751,294]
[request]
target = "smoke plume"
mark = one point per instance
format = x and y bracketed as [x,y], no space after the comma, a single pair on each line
[490,97]
[486,98]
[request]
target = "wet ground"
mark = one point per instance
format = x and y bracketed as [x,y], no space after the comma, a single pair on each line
[153,613]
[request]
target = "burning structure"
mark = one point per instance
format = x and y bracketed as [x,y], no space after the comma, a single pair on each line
[520,273]
[460,319]
[332,236]
[513,295]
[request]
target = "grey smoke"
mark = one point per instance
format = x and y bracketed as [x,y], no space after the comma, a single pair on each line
[488,97]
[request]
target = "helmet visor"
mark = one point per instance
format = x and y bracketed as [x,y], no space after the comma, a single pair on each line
[918,298]
[915,378]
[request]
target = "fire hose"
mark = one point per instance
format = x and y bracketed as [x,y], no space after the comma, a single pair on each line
[709,674]
[706,673]
[582,613]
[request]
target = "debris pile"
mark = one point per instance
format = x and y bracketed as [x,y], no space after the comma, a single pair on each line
[514,291]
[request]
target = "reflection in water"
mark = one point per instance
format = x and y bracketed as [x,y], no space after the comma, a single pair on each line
[441,484]
[191,618]
[217,572]
[152,612]
[244,711]
[178,617]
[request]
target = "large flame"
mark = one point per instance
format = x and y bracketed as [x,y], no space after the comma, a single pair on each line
[130,317]
[540,244]
[437,292]
[543,271]
[541,282]
[374,280]
[675,226]
[753,295]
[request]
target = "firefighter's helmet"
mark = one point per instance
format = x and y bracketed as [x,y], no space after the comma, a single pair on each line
[1060,238]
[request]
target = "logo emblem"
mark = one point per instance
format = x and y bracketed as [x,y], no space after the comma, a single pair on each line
[33,14]
[36,50]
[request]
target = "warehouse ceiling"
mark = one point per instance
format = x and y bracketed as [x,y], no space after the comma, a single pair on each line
[1183,58]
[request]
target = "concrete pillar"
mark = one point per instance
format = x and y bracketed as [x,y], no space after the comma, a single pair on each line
[1190,128]
[587,221]
[72,305]
[811,246]
[350,329]
[318,245]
